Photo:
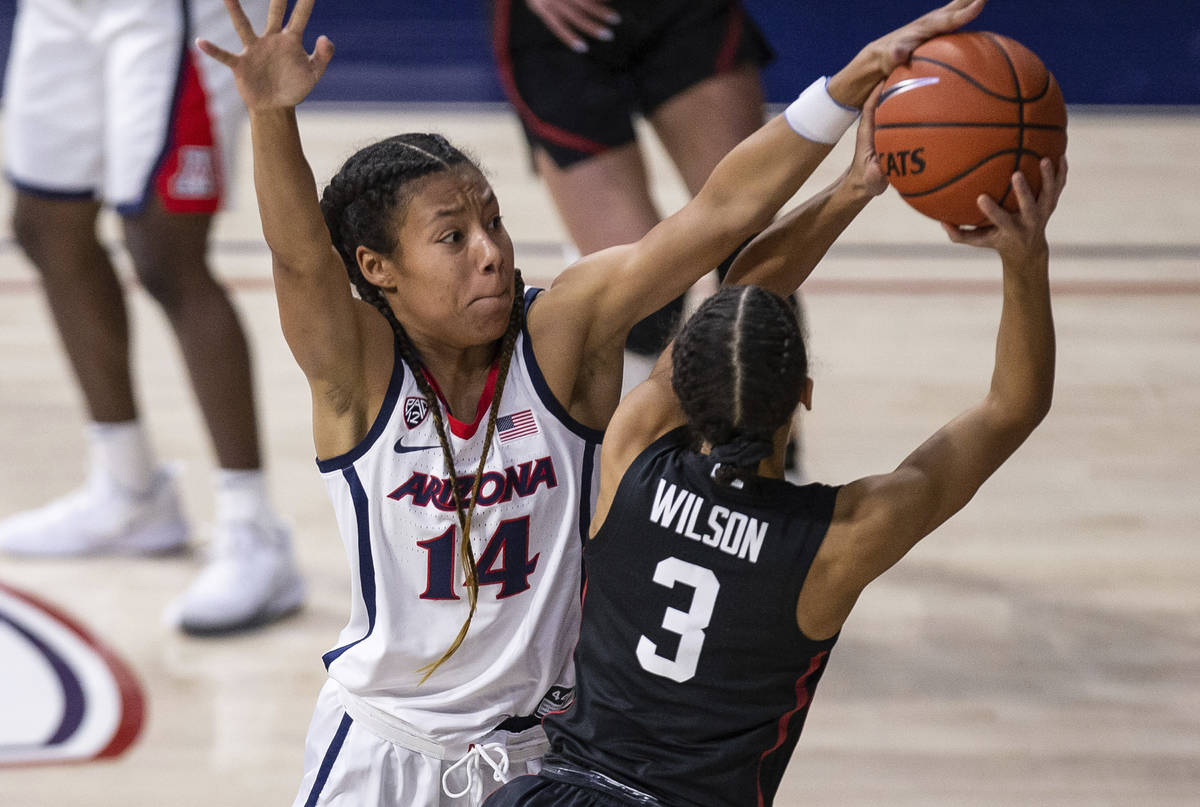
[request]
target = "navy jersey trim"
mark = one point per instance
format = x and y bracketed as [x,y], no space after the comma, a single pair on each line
[543,389]
[343,461]
[366,566]
[585,490]
[585,509]
[331,755]
[137,206]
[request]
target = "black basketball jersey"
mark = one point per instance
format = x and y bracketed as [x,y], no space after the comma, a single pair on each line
[693,679]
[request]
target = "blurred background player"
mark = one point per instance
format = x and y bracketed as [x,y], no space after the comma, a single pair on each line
[109,104]
[577,71]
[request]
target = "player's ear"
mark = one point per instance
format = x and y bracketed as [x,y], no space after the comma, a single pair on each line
[376,268]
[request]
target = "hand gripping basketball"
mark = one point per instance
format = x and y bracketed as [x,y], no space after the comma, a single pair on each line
[961,116]
[1019,236]
[851,85]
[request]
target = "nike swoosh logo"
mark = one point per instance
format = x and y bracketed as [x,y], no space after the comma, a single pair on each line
[403,449]
[906,85]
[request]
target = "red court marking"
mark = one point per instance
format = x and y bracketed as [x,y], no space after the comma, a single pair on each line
[133,701]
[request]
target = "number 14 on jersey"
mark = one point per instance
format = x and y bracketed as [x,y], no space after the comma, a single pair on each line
[508,546]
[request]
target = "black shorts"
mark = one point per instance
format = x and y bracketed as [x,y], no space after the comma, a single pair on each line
[577,105]
[563,785]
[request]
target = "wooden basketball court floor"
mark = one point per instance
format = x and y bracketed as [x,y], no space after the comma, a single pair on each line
[1042,648]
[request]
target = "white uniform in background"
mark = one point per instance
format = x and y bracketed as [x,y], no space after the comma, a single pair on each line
[109,99]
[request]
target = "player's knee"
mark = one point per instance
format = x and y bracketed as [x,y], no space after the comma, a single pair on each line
[168,255]
[31,231]
[156,277]
[56,236]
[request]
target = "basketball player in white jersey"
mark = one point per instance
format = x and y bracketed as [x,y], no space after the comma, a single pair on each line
[107,103]
[456,417]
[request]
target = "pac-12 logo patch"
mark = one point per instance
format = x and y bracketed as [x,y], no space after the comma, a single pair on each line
[415,410]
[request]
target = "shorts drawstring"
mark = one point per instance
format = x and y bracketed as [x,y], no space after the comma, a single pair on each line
[474,776]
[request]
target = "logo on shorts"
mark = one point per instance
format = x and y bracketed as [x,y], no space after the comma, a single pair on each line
[196,177]
[556,700]
[415,410]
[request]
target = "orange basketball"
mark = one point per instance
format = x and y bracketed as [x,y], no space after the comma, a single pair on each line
[967,111]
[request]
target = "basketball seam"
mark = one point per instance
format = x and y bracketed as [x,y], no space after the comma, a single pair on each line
[1042,92]
[962,174]
[1028,98]
[1050,127]
[967,77]
[1012,69]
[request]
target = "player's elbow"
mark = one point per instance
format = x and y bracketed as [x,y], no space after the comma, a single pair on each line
[1036,404]
[1015,417]
[1040,408]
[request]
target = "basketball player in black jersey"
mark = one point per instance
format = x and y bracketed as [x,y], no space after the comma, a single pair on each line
[716,589]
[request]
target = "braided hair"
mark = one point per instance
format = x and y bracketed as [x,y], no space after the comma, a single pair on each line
[359,206]
[738,368]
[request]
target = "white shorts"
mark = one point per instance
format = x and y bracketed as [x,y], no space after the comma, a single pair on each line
[110,100]
[347,763]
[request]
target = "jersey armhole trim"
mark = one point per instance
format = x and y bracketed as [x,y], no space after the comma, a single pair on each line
[366,562]
[543,389]
[385,414]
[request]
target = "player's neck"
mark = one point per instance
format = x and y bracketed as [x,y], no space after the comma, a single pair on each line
[460,376]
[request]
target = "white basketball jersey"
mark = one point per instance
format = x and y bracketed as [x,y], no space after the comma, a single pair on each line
[397,519]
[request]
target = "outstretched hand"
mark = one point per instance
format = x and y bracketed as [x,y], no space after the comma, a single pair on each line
[1018,236]
[875,62]
[273,70]
[895,48]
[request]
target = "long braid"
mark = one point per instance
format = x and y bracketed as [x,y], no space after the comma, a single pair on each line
[516,322]
[357,206]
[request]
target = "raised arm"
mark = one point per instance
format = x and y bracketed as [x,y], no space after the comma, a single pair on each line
[591,307]
[878,519]
[274,73]
[782,256]
[749,186]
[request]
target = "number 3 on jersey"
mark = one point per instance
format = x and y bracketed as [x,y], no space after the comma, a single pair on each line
[688,624]
[509,544]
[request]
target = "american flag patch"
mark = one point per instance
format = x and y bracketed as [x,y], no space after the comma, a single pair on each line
[518,424]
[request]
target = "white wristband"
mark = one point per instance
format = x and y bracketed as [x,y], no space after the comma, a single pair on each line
[816,116]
